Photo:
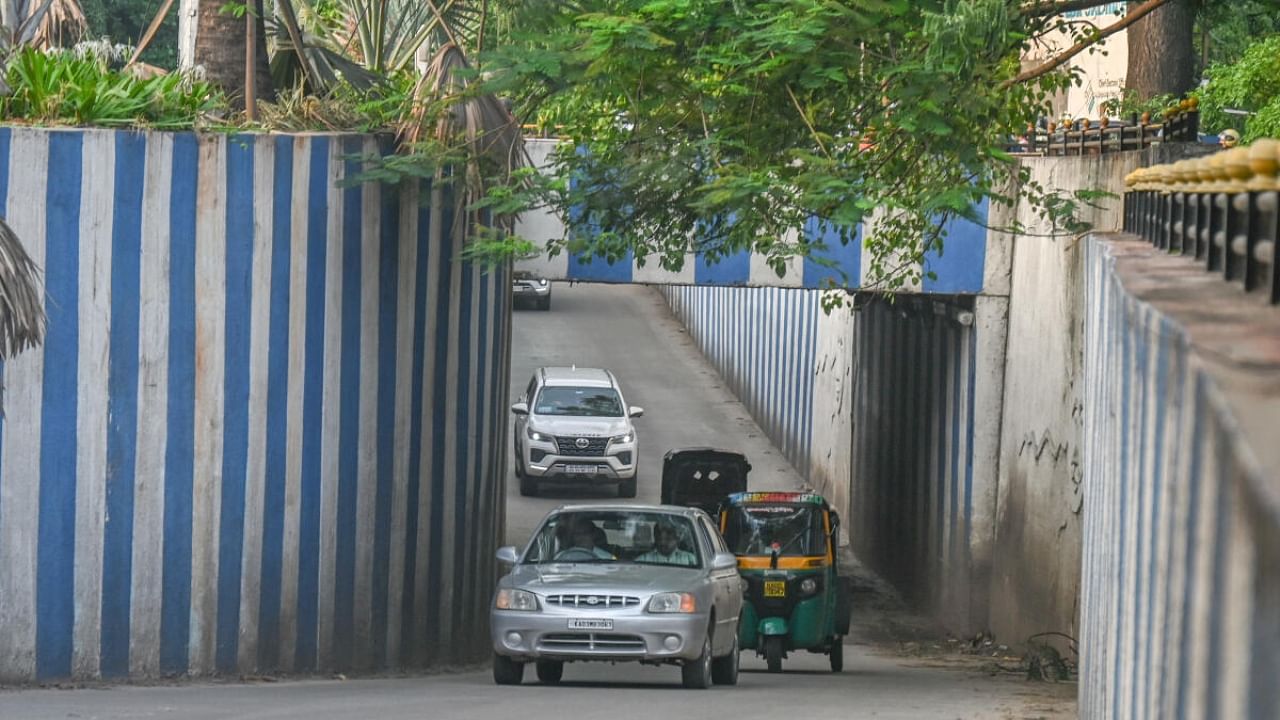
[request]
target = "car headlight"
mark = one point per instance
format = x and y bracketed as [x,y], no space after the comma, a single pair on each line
[628,437]
[542,281]
[672,603]
[512,599]
[535,435]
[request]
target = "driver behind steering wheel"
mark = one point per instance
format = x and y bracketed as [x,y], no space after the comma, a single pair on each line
[583,542]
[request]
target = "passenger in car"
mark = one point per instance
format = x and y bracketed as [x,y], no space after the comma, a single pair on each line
[666,549]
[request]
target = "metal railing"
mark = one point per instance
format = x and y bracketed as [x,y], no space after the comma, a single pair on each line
[1221,209]
[1108,135]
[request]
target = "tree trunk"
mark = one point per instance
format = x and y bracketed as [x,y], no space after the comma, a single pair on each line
[219,48]
[1162,58]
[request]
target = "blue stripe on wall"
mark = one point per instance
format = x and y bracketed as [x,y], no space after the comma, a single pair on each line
[961,265]
[175,618]
[847,257]
[732,269]
[444,291]
[388,290]
[235,448]
[409,636]
[122,392]
[312,407]
[275,467]
[55,571]
[349,420]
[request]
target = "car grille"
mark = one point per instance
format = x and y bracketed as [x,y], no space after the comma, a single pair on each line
[608,642]
[600,601]
[569,446]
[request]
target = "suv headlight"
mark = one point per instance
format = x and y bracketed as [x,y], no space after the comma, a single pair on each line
[538,436]
[630,436]
[672,603]
[512,599]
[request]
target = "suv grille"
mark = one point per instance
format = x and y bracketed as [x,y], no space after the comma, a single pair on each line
[609,642]
[594,446]
[601,601]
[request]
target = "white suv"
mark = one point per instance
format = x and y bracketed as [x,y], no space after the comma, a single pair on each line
[572,424]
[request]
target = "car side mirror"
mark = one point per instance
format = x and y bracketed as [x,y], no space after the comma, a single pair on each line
[520,408]
[635,411]
[724,561]
[508,555]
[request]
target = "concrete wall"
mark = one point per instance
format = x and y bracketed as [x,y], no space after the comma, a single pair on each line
[963,268]
[1181,557]
[265,432]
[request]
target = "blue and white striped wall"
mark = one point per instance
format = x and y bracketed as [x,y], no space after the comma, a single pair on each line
[763,342]
[264,432]
[1180,601]
[963,268]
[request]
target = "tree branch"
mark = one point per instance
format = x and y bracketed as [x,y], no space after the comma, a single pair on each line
[1062,57]
[1039,8]
[150,34]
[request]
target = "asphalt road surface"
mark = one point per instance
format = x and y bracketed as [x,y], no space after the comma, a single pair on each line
[628,330]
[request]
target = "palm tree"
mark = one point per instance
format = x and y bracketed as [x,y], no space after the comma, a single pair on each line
[42,23]
[215,41]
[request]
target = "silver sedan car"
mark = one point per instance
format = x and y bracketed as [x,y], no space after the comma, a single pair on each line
[653,584]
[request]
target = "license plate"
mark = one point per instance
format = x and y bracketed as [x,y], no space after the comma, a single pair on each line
[775,588]
[591,624]
[581,469]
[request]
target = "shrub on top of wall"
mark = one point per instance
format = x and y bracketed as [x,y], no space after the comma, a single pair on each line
[68,88]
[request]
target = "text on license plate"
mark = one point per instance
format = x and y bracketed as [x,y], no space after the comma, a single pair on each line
[591,624]
[585,469]
[775,588]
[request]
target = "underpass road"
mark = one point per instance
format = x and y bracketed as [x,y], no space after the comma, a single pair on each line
[629,330]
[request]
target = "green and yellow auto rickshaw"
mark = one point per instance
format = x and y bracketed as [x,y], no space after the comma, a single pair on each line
[795,599]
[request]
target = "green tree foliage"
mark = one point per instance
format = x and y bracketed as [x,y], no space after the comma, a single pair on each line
[1251,84]
[124,21]
[721,125]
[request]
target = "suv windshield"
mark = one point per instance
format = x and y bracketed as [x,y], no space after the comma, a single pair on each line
[611,536]
[793,529]
[579,401]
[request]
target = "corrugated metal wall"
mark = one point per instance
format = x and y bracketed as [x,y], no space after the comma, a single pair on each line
[763,343]
[1180,607]
[912,495]
[265,430]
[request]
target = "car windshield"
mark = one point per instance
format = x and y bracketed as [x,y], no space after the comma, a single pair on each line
[616,536]
[793,529]
[580,401]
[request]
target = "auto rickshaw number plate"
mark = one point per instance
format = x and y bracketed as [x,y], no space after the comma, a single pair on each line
[775,588]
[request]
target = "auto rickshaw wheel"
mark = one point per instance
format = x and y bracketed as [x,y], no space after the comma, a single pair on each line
[550,671]
[837,654]
[773,653]
[507,671]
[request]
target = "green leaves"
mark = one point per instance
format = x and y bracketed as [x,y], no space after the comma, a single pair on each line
[58,88]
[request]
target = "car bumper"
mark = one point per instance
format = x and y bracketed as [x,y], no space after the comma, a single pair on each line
[561,469]
[540,636]
[530,293]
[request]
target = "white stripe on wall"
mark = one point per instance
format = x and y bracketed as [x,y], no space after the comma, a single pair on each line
[19,464]
[153,405]
[255,468]
[211,288]
[407,292]
[97,200]
[330,446]
[291,532]
[367,488]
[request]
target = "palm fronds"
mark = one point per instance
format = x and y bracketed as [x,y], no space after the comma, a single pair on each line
[22,319]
